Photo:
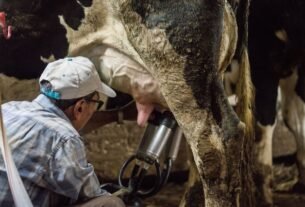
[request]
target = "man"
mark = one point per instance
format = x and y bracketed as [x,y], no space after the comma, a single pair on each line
[43,134]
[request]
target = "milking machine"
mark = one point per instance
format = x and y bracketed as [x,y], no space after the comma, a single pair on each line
[161,141]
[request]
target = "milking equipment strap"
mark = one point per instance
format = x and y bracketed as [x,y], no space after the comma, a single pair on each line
[20,196]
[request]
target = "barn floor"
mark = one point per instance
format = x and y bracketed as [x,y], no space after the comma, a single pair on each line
[284,178]
[171,194]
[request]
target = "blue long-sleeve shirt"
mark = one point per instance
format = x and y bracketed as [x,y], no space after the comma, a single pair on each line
[49,155]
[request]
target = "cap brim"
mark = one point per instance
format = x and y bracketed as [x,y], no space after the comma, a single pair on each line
[104,89]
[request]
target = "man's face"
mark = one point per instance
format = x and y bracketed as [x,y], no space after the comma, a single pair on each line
[90,109]
[83,111]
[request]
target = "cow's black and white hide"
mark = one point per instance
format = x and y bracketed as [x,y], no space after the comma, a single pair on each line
[38,33]
[180,48]
[277,55]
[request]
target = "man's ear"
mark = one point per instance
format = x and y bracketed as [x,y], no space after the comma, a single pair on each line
[78,109]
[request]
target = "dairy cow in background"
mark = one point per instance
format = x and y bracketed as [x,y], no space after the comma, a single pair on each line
[180,49]
[277,55]
[277,60]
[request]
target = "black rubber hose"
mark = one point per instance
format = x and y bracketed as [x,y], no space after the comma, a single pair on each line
[152,191]
[122,170]
[166,172]
[136,182]
[133,184]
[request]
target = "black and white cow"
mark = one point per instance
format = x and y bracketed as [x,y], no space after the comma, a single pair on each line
[180,48]
[277,59]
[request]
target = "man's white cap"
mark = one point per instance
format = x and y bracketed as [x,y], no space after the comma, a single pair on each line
[71,78]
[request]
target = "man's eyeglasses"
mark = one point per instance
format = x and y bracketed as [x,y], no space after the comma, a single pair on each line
[99,103]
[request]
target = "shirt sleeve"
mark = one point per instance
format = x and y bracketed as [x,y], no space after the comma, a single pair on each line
[70,174]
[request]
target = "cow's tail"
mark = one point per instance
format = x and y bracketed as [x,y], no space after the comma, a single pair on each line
[244,88]
[245,94]
[245,91]
[245,105]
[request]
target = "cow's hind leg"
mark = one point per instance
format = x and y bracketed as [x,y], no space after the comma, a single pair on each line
[294,116]
[263,175]
[194,191]
[265,103]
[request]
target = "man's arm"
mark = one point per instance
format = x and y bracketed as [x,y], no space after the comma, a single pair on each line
[70,174]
